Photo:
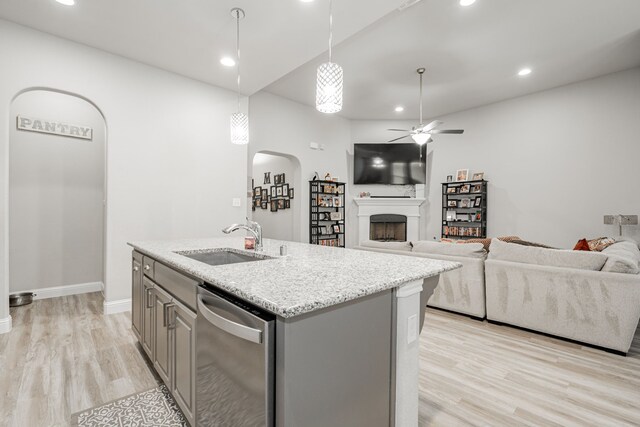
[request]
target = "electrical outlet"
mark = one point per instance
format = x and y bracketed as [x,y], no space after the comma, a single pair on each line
[236,203]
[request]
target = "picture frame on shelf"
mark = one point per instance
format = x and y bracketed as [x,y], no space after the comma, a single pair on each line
[465,203]
[452,190]
[477,202]
[449,178]
[452,203]
[452,215]
[337,202]
[462,175]
[335,216]
[478,216]
[476,188]
[478,176]
[465,189]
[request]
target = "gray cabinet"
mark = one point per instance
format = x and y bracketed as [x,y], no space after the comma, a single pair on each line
[136,295]
[184,355]
[147,316]
[162,354]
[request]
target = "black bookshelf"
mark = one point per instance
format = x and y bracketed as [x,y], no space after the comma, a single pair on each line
[327,213]
[468,218]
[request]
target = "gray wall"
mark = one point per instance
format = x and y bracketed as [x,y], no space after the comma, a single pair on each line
[170,164]
[557,160]
[56,195]
[277,225]
[283,126]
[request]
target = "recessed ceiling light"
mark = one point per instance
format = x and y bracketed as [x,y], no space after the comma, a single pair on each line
[399,109]
[524,72]
[67,2]
[227,61]
[467,2]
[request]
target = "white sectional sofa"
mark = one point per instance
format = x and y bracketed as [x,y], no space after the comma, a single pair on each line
[590,297]
[461,290]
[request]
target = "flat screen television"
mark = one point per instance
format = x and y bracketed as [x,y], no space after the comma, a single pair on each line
[390,164]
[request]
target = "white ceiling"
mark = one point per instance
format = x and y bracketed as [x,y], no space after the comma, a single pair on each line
[471,54]
[188,37]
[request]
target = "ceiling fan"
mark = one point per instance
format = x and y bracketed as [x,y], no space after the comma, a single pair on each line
[422,133]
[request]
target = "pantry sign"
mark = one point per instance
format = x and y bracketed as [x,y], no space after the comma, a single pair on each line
[53,128]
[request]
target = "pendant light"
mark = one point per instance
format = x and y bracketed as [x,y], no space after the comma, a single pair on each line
[330,79]
[239,120]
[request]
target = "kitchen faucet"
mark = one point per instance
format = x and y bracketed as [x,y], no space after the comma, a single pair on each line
[252,227]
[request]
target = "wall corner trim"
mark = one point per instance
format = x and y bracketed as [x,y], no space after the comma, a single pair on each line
[5,325]
[119,306]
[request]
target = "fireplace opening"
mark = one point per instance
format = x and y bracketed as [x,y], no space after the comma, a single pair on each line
[388,228]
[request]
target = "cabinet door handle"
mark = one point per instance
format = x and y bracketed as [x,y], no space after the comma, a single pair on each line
[136,268]
[149,302]
[147,267]
[165,313]
[172,323]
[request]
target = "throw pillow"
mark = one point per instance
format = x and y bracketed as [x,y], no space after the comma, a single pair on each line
[485,242]
[532,244]
[582,245]
[601,243]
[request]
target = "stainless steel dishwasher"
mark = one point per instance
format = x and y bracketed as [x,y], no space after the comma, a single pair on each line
[235,361]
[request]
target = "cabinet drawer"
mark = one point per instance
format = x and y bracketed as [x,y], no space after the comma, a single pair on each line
[148,265]
[179,286]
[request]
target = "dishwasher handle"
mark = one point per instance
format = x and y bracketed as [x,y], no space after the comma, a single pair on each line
[240,331]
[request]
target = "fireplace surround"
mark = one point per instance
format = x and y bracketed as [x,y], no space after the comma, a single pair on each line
[407,207]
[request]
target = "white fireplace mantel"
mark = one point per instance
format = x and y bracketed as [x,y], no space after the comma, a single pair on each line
[409,207]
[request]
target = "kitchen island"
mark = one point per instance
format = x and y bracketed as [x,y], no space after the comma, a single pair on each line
[337,331]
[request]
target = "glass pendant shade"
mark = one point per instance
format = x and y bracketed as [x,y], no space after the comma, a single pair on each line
[239,128]
[421,138]
[329,88]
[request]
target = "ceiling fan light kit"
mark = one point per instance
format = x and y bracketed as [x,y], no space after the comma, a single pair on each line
[239,121]
[330,79]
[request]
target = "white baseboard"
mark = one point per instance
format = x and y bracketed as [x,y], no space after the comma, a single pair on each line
[119,306]
[61,291]
[5,325]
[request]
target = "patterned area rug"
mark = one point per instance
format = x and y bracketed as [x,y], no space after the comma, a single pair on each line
[151,408]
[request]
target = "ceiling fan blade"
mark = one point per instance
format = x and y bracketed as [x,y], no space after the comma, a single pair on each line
[397,139]
[452,131]
[432,125]
[399,130]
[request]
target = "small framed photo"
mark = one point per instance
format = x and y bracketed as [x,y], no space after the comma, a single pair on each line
[452,215]
[335,216]
[267,178]
[462,175]
[276,179]
[264,204]
[449,178]
[280,204]
[285,190]
[274,206]
[273,190]
[452,190]
[257,192]
[282,180]
[256,203]
[477,202]
[287,204]
[465,203]
[278,190]
[265,194]
[452,204]
[476,188]
[478,216]
[478,176]
[291,193]
[336,228]
[337,202]
[466,188]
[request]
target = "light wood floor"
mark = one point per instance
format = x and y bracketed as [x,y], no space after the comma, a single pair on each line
[64,356]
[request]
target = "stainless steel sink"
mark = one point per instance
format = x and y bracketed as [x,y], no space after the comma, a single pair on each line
[223,256]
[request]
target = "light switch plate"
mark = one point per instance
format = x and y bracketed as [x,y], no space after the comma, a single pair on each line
[236,203]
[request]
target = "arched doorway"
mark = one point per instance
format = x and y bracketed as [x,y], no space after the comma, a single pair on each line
[271,171]
[57,147]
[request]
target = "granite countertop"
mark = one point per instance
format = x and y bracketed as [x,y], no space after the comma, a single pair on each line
[309,278]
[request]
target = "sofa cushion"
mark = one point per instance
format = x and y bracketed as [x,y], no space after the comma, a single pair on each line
[472,250]
[624,257]
[552,257]
[394,246]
